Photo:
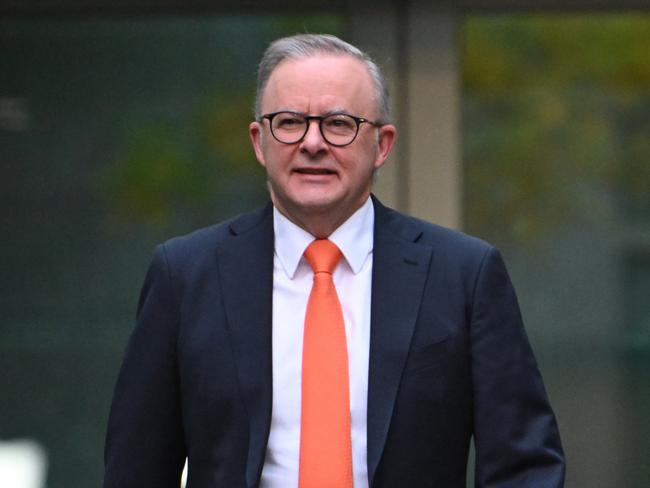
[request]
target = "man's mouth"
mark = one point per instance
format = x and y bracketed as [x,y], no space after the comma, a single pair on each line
[315,171]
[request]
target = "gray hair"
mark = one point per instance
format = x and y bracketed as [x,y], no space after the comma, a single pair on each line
[307,45]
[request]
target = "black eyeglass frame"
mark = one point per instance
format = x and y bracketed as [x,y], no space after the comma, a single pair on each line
[308,118]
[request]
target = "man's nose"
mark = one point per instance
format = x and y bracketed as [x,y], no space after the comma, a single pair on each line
[313,142]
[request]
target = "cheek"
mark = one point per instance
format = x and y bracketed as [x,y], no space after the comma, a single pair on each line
[277,160]
[362,163]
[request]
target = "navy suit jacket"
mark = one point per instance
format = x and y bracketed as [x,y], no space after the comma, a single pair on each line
[449,359]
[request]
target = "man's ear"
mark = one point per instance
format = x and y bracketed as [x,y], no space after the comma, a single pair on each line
[385,142]
[255,133]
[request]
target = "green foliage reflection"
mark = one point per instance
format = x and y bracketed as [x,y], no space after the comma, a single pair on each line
[171,169]
[551,102]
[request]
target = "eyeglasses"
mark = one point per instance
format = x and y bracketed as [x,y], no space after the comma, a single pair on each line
[338,129]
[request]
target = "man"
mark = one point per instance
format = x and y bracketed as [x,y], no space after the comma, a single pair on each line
[263,368]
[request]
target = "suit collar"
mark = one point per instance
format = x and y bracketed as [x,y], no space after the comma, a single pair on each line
[400,269]
[246,272]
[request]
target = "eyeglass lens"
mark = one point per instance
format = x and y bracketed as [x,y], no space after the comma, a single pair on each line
[337,129]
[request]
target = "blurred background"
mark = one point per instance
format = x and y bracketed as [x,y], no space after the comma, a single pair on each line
[124,123]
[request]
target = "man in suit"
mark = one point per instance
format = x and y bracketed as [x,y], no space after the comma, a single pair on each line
[220,366]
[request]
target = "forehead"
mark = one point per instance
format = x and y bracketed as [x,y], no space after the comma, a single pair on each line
[318,84]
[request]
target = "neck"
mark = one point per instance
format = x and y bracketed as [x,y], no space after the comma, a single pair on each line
[319,224]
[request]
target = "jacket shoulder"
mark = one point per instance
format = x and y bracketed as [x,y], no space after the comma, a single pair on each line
[391,222]
[207,240]
[446,238]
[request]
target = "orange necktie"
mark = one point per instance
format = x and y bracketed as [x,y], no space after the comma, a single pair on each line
[325,439]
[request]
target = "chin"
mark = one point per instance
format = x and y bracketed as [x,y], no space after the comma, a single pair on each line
[316,205]
[315,200]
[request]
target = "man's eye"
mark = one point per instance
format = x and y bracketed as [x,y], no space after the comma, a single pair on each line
[289,123]
[340,123]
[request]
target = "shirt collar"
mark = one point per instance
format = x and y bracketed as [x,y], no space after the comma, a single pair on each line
[354,238]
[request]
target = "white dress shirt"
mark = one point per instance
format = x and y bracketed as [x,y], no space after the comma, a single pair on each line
[292,282]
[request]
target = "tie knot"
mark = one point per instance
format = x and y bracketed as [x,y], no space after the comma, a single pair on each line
[323,256]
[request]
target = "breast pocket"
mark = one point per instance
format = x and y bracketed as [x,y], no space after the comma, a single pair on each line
[423,359]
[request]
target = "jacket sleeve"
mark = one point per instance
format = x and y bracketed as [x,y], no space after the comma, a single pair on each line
[144,440]
[515,432]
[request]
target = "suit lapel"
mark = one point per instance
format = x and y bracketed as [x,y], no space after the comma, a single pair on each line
[400,268]
[246,272]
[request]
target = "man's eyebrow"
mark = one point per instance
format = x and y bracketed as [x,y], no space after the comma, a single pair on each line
[337,110]
[332,111]
[287,109]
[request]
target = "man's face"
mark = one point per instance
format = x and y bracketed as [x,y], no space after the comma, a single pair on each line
[311,178]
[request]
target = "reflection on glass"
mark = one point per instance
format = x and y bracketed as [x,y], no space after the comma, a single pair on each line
[115,135]
[23,464]
[556,151]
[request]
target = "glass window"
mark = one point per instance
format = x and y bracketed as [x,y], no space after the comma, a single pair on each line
[115,135]
[556,154]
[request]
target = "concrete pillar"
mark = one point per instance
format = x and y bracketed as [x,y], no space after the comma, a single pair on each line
[435,170]
[416,44]
[375,30]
